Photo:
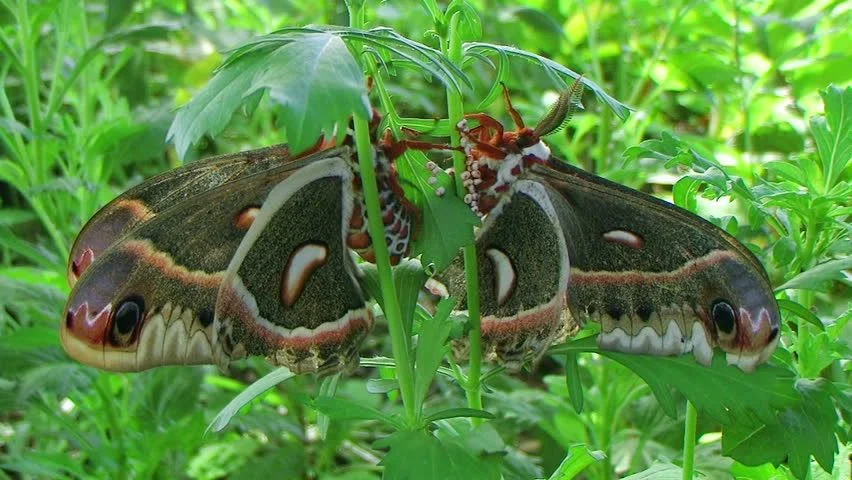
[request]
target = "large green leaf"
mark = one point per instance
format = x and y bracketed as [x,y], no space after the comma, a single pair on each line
[800,430]
[766,415]
[313,76]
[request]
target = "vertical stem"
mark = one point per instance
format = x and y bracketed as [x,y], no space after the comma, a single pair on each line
[689,441]
[606,422]
[455,112]
[399,342]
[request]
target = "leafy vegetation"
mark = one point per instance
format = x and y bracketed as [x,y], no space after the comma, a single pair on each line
[741,112]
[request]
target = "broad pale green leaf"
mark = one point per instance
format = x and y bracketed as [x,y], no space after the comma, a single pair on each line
[814,278]
[253,391]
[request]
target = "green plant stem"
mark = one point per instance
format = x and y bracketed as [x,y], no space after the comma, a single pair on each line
[400,343]
[689,441]
[455,112]
[607,421]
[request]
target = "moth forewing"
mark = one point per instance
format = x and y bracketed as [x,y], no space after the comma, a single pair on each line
[291,290]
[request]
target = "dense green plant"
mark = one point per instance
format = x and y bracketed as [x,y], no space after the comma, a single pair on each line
[64,140]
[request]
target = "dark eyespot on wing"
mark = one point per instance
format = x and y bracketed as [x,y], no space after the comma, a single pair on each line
[126,321]
[724,316]
[205,317]
[615,311]
[644,310]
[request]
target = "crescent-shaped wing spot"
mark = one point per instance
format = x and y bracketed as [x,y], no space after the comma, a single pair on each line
[504,274]
[300,266]
[245,217]
[623,237]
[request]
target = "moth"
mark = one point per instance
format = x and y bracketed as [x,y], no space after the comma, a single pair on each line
[559,247]
[244,254]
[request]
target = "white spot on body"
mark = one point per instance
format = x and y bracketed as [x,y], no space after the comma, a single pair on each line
[538,149]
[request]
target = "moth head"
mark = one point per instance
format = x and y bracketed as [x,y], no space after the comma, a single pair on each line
[744,316]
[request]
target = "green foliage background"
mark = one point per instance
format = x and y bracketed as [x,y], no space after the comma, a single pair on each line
[729,100]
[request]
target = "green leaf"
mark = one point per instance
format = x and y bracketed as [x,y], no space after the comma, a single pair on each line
[409,278]
[800,430]
[724,392]
[815,278]
[800,311]
[421,456]
[476,49]
[253,391]
[431,348]
[313,76]
[339,408]
[659,471]
[833,133]
[447,222]
[460,412]
[572,379]
[578,459]
[319,84]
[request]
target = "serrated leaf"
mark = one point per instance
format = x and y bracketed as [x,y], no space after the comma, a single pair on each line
[814,278]
[418,455]
[833,133]
[253,391]
[476,48]
[801,430]
[319,84]
[724,392]
[313,77]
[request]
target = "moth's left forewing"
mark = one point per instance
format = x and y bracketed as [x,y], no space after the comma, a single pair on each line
[291,291]
[659,279]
